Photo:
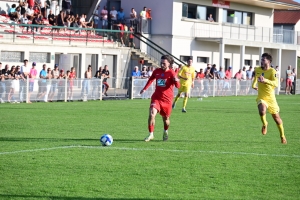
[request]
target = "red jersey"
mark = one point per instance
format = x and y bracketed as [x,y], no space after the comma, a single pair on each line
[164,85]
[200,75]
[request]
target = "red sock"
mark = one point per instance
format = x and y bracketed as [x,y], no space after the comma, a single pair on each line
[166,127]
[151,128]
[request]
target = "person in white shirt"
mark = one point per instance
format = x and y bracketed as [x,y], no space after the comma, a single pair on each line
[113,15]
[25,70]
[104,13]
[133,17]
[243,81]
[30,13]
[143,13]
[24,20]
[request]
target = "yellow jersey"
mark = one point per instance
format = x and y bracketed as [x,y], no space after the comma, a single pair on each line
[186,72]
[265,90]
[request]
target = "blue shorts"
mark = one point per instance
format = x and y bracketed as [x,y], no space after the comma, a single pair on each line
[53,87]
[31,84]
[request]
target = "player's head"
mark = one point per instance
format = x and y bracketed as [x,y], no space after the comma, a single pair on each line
[190,61]
[166,62]
[266,59]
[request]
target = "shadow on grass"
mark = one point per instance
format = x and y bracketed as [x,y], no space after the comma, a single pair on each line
[8,196]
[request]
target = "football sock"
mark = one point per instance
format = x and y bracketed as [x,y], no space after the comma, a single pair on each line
[176,98]
[151,128]
[185,99]
[281,130]
[166,127]
[264,120]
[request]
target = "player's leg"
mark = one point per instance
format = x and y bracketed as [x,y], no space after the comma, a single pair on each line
[151,122]
[279,124]
[176,98]
[185,99]
[262,109]
[166,121]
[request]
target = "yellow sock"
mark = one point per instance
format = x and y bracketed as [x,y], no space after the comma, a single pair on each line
[176,98]
[281,130]
[264,120]
[185,101]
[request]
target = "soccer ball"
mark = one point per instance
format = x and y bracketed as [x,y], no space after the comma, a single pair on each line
[106,140]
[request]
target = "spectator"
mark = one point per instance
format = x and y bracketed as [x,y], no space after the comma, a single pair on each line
[37,20]
[12,13]
[42,83]
[51,18]
[13,83]
[131,43]
[113,15]
[2,84]
[200,76]
[82,22]
[25,70]
[121,16]
[238,75]
[71,77]
[243,81]
[96,84]
[121,35]
[178,69]
[136,72]
[133,18]
[148,14]
[48,83]
[32,76]
[30,13]
[42,6]
[210,18]
[105,75]
[55,77]
[150,71]
[86,82]
[213,71]
[96,19]
[221,77]
[143,13]
[23,5]
[289,77]
[24,20]
[144,72]
[104,14]
[60,19]
[67,6]
[293,89]
[227,84]
[61,86]
[206,90]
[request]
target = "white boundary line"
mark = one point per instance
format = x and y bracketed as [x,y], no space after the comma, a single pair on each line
[147,149]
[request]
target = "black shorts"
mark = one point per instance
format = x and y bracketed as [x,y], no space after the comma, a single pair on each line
[130,39]
[43,9]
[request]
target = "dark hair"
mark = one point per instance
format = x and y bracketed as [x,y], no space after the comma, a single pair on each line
[190,58]
[168,58]
[268,56]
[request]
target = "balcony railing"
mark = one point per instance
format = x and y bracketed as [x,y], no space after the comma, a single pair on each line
[244,32]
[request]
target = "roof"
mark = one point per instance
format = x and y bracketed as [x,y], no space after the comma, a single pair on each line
[288,2]
[286,16]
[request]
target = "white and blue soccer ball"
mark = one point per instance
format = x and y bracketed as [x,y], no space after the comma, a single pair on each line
[106,140]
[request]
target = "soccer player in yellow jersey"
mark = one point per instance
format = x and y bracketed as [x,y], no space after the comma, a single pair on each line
[265,81]
[187,77]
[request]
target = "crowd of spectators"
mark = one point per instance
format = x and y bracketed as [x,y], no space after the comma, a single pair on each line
[51,83]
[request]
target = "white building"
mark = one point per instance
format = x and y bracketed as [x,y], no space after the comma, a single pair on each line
[240,33]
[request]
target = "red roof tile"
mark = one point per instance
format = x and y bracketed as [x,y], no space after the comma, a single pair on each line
[286,16]
[288,2]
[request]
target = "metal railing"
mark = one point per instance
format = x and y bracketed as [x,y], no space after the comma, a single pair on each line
[45,90]
[244,32]
[56,35]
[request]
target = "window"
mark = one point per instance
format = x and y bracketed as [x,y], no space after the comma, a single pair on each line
[248,62]
[202,59]
[194,11]
[237,17]
[184,58]
[257,63]
[12,56]
[39,57]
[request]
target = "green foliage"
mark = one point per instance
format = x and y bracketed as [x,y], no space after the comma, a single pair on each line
[215,151]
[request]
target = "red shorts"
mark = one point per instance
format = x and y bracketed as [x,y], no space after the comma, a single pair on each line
[106,84]
[288,82]
[164,109]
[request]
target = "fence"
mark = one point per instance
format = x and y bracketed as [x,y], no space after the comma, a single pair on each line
[45,90]
[244,32]
[55,35]
[48,90]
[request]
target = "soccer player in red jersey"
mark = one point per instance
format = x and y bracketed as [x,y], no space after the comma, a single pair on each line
[162,98]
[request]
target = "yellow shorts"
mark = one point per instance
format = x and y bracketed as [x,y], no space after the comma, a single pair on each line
[272,106]
[185,89]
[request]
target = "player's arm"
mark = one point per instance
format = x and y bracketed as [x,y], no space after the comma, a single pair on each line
[176,81]
[254,83]
[149,82]
[273,81]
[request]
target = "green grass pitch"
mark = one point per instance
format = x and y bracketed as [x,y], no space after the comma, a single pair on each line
[215,151]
